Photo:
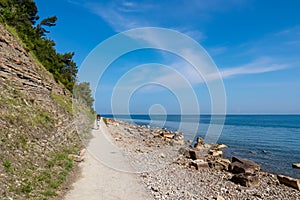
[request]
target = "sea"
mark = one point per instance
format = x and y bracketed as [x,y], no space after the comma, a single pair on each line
[273,141]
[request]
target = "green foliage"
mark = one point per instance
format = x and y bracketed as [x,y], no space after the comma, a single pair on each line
[7,165]
[83,93]
[64,101]
[22,15]
[104,120]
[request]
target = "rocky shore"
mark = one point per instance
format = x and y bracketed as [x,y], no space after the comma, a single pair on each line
[173,169]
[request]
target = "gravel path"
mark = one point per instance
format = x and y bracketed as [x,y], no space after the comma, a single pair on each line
[106,173]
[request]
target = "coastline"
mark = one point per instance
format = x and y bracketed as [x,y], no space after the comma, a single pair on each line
[167,173]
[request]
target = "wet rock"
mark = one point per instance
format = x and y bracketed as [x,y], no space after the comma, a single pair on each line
[240,165]
[220,147]
[246,179]
[296,165]
[289,181]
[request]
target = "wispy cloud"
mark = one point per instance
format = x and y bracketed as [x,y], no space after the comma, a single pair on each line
[180,75]
[123,15]
[258,66]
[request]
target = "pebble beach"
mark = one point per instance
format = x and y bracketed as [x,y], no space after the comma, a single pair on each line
[170,168]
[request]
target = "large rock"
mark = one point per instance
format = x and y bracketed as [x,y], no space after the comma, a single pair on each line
[199,164]
[296,165]
[240,165]
[246,179]
[216,153]
[289,181]
[220,147]
[199,144]
[219,164]
[200,140]
[166,134]
[195,155]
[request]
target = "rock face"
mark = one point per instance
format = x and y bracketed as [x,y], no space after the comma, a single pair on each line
[36,124]
[240,165]
[289,181]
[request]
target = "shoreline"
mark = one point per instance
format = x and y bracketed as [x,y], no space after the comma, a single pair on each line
[162,160]
[272,142]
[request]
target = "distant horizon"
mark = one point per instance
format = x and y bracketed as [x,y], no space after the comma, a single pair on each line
[204,114]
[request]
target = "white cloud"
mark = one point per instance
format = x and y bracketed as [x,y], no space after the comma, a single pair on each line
[263,65]
[256,67]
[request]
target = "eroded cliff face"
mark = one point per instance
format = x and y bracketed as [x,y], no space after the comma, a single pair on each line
[37,131]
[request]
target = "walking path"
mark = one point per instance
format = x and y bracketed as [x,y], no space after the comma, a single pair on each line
[106,173]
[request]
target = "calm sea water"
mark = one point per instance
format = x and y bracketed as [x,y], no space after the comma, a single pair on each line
[273,141]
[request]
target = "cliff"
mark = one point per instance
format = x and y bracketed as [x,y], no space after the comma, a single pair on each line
[37,130]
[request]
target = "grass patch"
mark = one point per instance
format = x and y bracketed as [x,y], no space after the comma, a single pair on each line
[63,101]
[104,120]
[7,166]
[49,193]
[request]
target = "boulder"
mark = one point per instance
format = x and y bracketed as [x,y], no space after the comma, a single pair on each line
[216,153]
[289,181]
[220,147]
[168,135]
[177,142]
[182,150]
[219,164]
[207,146]
[200,140]
[246,179]
[296,165]
[215,165]
[198,146]
[199,164]
[240,165]
[195,155]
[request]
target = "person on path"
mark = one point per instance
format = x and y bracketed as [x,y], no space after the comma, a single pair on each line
[98,121]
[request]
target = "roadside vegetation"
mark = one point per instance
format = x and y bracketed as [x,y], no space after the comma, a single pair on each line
[36,138]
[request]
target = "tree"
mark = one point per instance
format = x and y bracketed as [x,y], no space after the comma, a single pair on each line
[22,15]
[83,93]
[49,22]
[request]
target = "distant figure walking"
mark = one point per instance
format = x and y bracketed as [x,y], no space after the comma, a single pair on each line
[98,121]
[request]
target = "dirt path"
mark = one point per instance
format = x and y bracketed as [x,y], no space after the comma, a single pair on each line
[105,173]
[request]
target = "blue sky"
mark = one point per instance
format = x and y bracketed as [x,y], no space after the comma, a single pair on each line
[255,45]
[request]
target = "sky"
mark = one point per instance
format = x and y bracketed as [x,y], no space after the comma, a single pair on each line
[252,47]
